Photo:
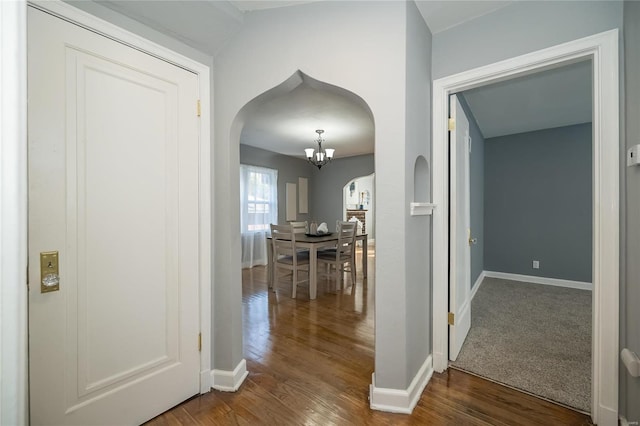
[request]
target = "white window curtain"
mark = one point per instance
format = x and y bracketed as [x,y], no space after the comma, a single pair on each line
[259,208]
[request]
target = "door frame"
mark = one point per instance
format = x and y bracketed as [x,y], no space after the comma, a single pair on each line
[113,32]
[13,213]
[602,50]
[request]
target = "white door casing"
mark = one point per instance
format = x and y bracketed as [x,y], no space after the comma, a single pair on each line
[459,223]
[13,214]
[114,179]
[602,50]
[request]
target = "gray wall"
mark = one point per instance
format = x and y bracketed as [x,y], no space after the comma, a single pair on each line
[417,228]
[289,170]
[630,284]
[538,203]
[325,189]
[272,45]
[476,189]
[522,27]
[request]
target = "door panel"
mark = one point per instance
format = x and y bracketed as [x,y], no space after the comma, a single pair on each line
[460,272]
[140,205]
[113,172]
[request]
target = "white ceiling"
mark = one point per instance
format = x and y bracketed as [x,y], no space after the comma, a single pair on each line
[287,124]
[548,99]
[249,5]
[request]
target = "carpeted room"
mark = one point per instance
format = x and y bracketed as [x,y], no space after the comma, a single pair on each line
[531,221]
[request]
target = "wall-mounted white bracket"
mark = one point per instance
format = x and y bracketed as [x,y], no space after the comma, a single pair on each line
[421,209]
[631,361]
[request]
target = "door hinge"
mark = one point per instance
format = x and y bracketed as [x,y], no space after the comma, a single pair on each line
[199,342]
[451,318]
[452,124]
[198,108]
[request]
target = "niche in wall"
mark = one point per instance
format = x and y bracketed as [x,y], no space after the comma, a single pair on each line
[421,188]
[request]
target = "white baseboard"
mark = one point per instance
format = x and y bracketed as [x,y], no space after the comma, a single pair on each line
[608,417]
[401,401]
[205,381]
[477,284]
[625,422]
[540,280]
[229,381]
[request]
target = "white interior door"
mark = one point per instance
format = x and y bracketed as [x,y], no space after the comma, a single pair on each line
[460,232]
[113,188]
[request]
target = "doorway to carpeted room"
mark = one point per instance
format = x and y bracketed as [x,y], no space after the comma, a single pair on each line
[532,337]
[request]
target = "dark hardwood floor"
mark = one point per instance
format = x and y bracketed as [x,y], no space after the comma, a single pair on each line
[310,363]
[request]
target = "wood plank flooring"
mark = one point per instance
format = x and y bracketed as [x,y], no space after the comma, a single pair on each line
[310,363]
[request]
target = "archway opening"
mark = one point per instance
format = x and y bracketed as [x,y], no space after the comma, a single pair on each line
[272,131]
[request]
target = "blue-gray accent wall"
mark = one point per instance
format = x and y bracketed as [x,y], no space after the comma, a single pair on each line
[538,203]
[476,191]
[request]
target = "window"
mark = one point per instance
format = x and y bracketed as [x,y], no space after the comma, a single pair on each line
[258,198]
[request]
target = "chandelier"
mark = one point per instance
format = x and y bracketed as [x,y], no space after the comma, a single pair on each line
[321,156]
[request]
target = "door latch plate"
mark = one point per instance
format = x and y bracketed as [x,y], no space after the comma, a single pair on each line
[49,272]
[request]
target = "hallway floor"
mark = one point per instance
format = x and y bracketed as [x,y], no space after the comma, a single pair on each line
[310,362]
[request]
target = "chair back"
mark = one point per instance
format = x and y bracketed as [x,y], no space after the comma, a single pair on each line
[300,227]
[283,240]
[346,238]
[339,224]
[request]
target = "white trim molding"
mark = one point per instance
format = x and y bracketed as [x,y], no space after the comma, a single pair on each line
[206,379]
[13,214]
[557,282]
[397,400]
[602,50]
[229,381]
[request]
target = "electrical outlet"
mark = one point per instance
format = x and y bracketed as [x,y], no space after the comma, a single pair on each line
[536,264]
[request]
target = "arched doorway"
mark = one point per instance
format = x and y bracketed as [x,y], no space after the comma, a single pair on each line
[347,312]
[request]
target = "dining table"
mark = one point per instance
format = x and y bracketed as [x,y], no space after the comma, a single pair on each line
[315,243]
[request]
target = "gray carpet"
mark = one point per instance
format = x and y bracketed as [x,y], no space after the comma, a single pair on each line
[532,337]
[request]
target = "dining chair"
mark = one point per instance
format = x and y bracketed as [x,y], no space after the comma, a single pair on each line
[285,256]
[343,256]
[300,227]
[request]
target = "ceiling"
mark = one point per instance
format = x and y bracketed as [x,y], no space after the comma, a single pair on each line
[548,99]
[287,124]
